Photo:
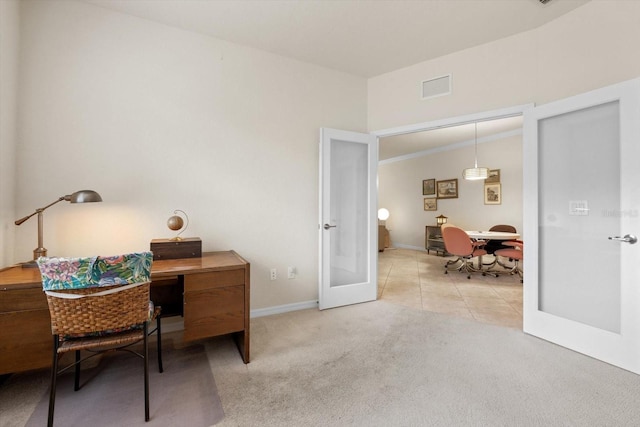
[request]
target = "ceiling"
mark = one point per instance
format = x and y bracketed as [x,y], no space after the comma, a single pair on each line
[362,37]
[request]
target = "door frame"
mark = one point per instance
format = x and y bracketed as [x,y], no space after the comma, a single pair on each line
[517,110]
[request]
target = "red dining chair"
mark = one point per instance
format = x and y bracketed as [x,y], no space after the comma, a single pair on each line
[515,253]
[457,242]
[493,245]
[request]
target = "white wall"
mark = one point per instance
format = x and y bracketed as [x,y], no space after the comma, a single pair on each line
[155,119]
[9,33]
[400,191]
[590,47]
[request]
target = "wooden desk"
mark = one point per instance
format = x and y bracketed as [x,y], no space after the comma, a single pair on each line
[211,292]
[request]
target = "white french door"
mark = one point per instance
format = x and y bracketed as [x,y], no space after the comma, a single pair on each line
[348,222]
[581,216]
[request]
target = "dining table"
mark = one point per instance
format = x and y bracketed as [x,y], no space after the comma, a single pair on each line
[492,235]
[486,236]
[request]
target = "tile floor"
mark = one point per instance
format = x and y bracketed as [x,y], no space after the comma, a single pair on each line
[415,279]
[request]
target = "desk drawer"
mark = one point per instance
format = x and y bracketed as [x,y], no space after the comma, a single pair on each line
[25,340]
[212,312]
[22,299]
[214,279]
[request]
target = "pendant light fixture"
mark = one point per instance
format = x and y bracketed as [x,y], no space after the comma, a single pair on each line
[475,173]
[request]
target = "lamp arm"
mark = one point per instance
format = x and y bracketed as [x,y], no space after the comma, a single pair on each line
[40,210]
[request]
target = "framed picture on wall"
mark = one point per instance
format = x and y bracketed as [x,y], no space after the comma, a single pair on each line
[494,176]
[430,204]
[447,189]
[492,194]
[429,187]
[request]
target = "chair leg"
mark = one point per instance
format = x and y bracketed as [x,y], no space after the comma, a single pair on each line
[518,271]
[511,270]
[159,342]
[54,376]
[453,263]
[146,371]
[463,266]
[76,381]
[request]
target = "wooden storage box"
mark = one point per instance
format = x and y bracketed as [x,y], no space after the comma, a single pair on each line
[188,247]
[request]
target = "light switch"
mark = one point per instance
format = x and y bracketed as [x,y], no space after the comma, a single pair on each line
[578,207]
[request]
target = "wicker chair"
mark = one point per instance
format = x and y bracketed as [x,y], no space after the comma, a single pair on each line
[99,304]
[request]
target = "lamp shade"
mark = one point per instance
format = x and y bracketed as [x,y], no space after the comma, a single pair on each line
[84,196]
[383,214]
[441,219]
[475,173]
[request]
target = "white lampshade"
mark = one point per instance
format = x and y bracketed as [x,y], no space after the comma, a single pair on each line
[475,173]
[383,214]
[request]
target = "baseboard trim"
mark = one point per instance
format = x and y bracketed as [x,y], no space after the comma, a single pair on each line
[279,309]
[415,248]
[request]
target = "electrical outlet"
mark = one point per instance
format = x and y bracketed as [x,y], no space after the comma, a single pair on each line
[274,274]
[291,273]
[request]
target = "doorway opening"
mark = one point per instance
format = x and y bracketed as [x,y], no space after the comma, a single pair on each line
[406,273]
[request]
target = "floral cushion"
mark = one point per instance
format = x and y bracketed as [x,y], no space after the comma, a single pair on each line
[65,273]
[122,269]
[89,272]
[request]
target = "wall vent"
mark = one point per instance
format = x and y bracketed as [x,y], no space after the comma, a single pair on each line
[437,86]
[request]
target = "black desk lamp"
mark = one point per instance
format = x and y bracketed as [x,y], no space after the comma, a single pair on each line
[82,196]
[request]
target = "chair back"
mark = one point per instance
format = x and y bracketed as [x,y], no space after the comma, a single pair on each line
[503,228]
[494,245]
[88,296]
[457,241]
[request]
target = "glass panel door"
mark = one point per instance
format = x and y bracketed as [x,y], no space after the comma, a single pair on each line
[348,223]
[581,216]
[349,213]
[579,193]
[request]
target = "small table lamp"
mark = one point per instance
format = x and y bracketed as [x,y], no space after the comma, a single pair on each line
[383,215]
[82,196]
[441,219]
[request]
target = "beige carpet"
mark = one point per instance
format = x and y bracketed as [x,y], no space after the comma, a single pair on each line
[379,364]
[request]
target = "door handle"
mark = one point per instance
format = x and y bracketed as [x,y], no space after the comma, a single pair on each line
[327,226]
[628,238]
